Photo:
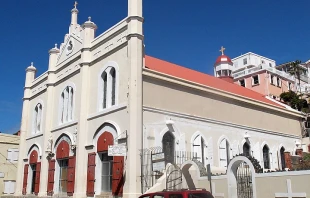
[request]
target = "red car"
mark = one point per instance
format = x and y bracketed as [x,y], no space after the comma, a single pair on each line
[184,193]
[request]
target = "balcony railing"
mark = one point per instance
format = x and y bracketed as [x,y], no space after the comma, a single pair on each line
[261,68]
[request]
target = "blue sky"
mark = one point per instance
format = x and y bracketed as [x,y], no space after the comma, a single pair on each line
[189,33]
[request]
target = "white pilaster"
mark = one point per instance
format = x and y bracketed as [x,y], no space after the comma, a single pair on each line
[74,18]
[30,75]
[132,186]
[81,152]
[49,112]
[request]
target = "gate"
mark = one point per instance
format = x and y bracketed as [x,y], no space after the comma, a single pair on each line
[173,177]
[244,181]
[153,162]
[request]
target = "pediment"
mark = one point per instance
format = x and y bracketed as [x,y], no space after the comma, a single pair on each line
[70,47]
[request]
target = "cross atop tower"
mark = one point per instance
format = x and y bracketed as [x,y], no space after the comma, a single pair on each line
[222,50]
[75,4]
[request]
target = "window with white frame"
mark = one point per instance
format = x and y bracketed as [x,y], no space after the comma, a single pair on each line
[113,84]
[270,65]
[255,80]
[66,104]
[13,155]
[108,88]
[266,157]
[200,149]
[104,78]
[271,79]
[224,150]
[37,119]
[289,86]
[9,187]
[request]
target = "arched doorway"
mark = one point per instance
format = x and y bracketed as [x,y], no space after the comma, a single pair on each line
[61,170]
[168,143]
[32,170]
[106,170]
[241,178]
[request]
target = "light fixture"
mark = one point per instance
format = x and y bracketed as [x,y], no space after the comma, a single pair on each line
[297,143]
[246,135]
[169,124]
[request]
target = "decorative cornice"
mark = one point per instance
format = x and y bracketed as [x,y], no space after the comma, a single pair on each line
[34,136]
[84,64]
[139,18]
[85,49]
[31,68]
[75,10]
[63,126]
[108,111]
[222,123]
[139,36]
[89,24]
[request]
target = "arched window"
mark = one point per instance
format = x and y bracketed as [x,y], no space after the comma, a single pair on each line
[246,149]
[37,118]
[200,149]
[108,88]
[104,77]
[266,157]
[168,147]
[113,80]
[66,105]
[283,165]
[224,149]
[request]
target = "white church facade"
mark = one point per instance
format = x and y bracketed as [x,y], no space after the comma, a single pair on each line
[102,91]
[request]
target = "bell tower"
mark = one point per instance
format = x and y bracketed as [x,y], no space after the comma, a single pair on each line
[223,67]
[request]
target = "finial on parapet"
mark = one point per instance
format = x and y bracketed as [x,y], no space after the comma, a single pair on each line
[75,4]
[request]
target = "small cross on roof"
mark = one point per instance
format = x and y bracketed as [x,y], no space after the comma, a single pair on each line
[222,50]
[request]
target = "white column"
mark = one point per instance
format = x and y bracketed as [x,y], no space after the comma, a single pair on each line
[81,152]
[49,112]
[132,187]
[30,75]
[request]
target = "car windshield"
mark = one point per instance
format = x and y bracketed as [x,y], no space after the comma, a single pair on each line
[200,195]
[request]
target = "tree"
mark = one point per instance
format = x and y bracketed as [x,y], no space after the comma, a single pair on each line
[295,101]
[296,70]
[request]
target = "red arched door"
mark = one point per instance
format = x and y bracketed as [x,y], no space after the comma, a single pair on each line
[35,170]
[111,173]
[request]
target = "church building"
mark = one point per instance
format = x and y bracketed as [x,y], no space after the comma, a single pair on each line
[100,91]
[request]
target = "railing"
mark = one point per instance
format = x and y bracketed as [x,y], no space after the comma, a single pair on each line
[261,68]
[153,159]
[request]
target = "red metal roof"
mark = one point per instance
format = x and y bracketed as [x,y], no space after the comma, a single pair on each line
[222,58]
[204,79]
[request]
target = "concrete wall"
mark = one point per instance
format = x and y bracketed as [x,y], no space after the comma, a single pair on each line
[9,169]
[299,183]
[176,98]
[265,87]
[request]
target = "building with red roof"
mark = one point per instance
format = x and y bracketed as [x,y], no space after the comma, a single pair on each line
[105,120]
